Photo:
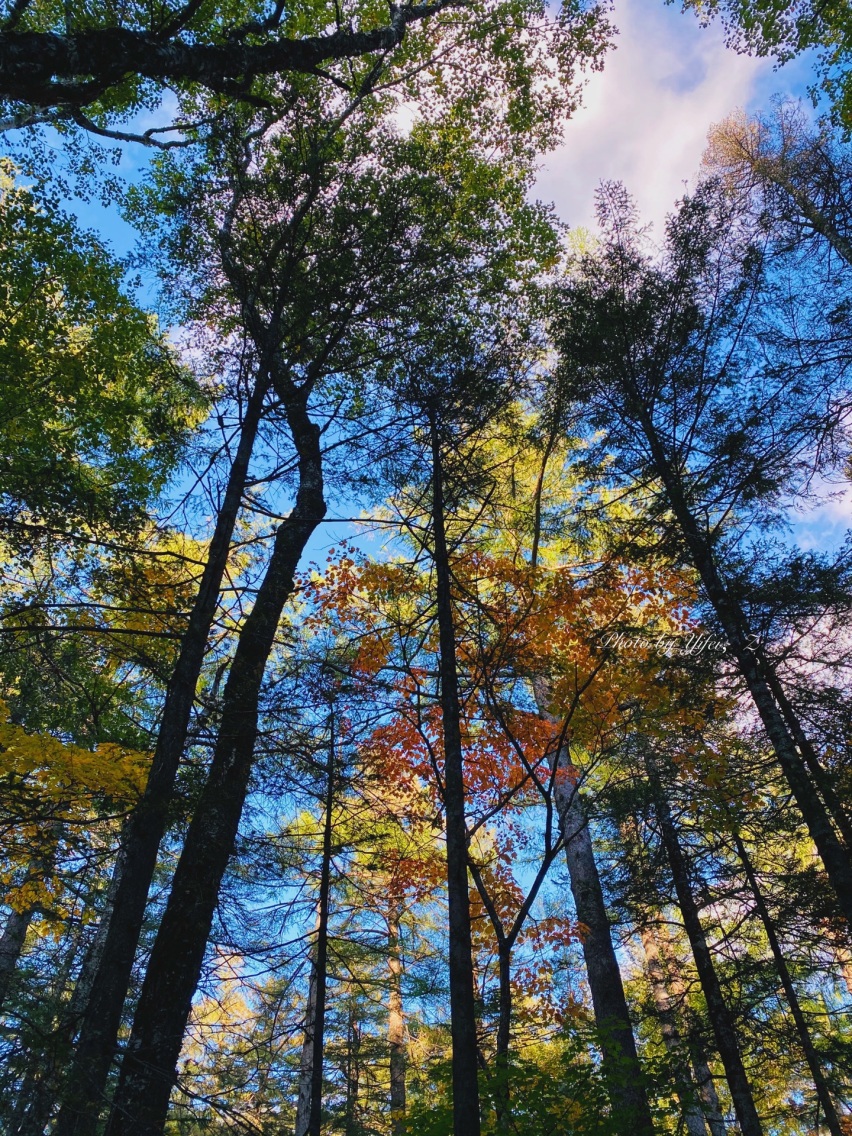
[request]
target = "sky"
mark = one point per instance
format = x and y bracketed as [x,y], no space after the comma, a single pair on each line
[645,117]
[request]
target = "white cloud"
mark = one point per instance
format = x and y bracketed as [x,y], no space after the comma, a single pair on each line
[645,117]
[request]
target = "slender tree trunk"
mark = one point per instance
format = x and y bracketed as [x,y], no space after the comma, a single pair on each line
[148,1070]
[11,945]
[321,969]
[623,1072]
[822,778]
[844,962]
[692,1117]
[353,1074]
[466,1120]
[835,858]
[39,1092]
[303,1102]
[720,1016]
[502,1091]
[775,171]
[83,1097]
[396,1026]
[700,1063]
[811,1056]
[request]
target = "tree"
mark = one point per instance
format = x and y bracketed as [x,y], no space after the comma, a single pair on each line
[89,69]
[785,31]
[799,175]
[663,359]
[95,406]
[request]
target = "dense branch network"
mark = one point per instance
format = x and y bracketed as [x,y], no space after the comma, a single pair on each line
[46,69]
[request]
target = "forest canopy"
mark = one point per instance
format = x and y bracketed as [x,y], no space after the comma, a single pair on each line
[420,710]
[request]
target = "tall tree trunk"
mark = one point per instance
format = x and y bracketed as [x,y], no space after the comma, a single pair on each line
[692,1117]
[396,1025]
[306,1066]
[622,1070]
[148,1069]
[700,1064]
[321,968]
[820,775]
[811,1056]
[83,1097]
[502,1094]
[720,1016]
[836,859]
[11,945]
[353,1074]
[623,1073]
[466,1120]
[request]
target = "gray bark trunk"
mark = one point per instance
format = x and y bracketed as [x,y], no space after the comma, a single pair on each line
[306,1066]
[623,1072]
[11,947]
[666,1015]
[710,1105]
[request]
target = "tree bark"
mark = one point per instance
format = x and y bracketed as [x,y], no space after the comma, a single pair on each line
[835,858]
[84,1094]
[692,1117]
[11,945]
[703,1076]
[466,1119]
[47,69]
[820,775]
[622,1070]
[148,1069]
[811,1056]
[504,1037]
[720,1016]
[321,967]
[353,1074]
[396,1026]
[303,1100]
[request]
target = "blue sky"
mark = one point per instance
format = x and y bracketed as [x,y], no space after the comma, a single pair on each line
[645,117]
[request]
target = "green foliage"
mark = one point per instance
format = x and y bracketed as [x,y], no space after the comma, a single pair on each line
[94,405]
[784,30]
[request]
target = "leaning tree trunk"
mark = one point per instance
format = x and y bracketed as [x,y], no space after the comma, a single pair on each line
[811,1056]
[836,859]
[148,1069]
[466,1120]
[623,1073]
[720,1016]
[84,1094]
[821,776]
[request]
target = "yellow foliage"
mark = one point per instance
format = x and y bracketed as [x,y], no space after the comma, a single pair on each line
[50,789]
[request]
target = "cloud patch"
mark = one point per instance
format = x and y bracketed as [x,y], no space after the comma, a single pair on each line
[645,117]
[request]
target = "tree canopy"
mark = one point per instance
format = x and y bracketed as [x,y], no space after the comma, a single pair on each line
[418,713]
